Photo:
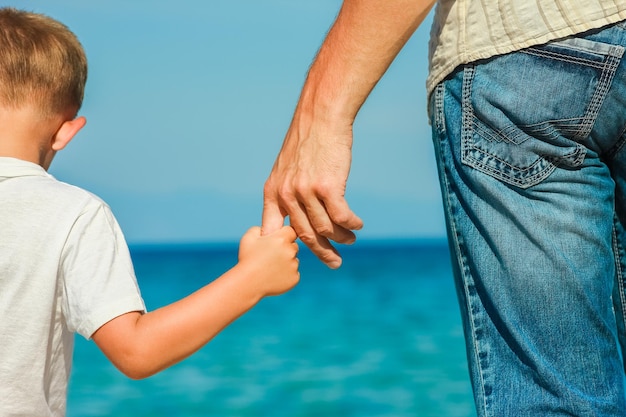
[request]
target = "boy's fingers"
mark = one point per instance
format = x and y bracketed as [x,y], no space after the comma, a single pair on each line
[254,230]
[289,233]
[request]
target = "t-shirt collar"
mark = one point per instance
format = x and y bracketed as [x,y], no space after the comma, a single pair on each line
[13,167]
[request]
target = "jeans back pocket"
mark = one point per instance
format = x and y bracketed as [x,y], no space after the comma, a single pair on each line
[527,112]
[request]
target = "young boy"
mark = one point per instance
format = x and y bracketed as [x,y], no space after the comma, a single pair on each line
[64,264]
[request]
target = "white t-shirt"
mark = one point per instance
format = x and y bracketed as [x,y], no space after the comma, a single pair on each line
[64,268]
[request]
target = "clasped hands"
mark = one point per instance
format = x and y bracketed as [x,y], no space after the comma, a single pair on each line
[308,184]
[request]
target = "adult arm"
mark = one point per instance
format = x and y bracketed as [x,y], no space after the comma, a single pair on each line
[308,180]
[140,345]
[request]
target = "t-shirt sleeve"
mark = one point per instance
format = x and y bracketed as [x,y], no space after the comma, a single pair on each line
[99,281]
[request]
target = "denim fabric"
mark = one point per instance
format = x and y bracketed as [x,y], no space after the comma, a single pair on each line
[533,176]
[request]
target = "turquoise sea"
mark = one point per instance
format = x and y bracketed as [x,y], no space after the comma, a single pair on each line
[380,337]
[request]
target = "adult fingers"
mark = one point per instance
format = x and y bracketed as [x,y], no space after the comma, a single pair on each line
[318,244]
[341,214]
[272,218]
[324,225]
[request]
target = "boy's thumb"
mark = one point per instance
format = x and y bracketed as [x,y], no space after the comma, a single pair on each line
[289,233]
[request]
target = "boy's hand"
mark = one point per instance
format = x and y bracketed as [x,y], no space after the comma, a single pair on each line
[272,260]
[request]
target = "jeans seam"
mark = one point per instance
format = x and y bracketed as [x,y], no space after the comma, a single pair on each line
[454,235]
[440,125]
[563,58]
[619,272]
[467,111]
[619,145]
[468,297]
[608,72]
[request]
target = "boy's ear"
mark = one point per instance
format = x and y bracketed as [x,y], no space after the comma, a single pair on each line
[66,132]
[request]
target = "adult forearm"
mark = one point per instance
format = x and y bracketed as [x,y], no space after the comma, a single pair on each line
[365,39]
[308,180]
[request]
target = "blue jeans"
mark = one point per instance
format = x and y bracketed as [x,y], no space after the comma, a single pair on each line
[532,165]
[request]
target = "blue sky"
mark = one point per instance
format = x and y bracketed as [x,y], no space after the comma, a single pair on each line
[187,104]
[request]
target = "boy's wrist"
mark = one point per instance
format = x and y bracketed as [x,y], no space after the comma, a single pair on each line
[244,276]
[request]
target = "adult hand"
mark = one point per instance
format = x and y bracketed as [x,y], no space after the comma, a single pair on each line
[308,184]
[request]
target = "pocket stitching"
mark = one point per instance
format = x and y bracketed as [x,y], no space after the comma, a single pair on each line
[543,171]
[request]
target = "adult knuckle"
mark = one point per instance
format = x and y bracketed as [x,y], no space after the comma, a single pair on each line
[308,238]
[324,189]
[286,193]
[270,187]
[302,187]
[323,228]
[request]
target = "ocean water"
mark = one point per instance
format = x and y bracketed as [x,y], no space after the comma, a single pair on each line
[379,337]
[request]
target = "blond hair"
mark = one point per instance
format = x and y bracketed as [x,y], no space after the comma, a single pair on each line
[42,63]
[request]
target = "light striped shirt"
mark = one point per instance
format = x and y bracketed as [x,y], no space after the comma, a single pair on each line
[468,30]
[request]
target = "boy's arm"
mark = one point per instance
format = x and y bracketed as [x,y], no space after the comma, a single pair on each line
[143,344]
[308,180]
